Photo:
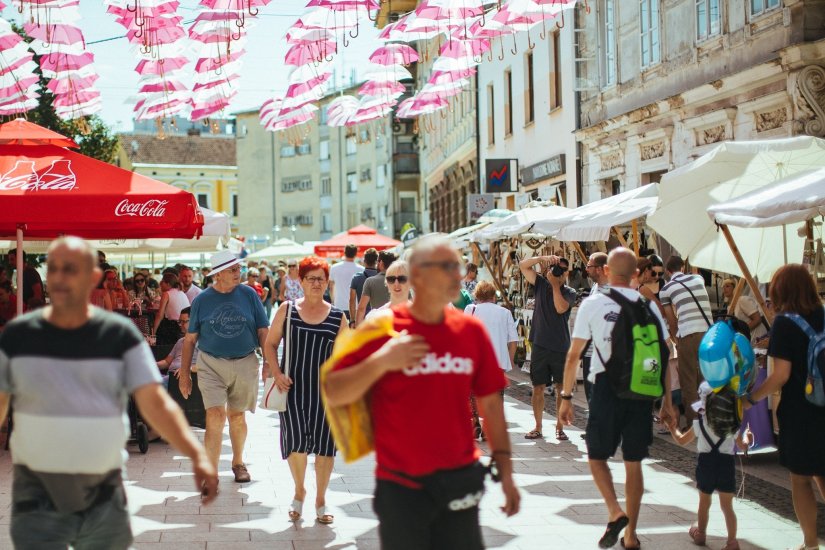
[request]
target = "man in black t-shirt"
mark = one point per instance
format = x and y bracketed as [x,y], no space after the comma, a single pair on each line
[549,333]
[32,283]
[358,280]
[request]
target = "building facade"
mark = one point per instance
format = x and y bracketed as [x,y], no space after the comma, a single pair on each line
[205,165]
[320,184]
[527,108]
[663,81]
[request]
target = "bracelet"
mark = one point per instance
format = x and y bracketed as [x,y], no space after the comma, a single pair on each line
[566,396]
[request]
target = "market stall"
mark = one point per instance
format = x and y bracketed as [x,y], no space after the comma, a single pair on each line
[362,236]
[282,249]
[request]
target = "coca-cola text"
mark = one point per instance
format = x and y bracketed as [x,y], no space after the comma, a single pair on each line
[153,208]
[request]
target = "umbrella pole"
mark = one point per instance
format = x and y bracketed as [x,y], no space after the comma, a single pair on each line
[785,243]
[746,272]
[619,236]
[19,268]
[635,228]
[579,250]
[492,274]
[737,293]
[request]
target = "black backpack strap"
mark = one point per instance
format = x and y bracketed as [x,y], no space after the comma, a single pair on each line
[714,447]
[692,295]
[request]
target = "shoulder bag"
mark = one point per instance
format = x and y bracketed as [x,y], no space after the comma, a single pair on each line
[692,295]
[273,399]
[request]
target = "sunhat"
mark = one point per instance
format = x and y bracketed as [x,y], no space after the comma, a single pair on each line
[221,260]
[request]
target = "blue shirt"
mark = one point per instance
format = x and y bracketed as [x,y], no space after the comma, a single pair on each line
[227,324]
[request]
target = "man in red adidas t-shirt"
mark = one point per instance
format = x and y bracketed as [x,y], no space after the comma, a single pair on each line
[420,385]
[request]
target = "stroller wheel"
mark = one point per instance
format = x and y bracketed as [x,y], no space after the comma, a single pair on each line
[142,437]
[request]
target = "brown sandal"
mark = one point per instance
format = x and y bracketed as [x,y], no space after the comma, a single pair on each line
[533,434]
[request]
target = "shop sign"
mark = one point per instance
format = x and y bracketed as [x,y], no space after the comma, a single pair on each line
[550,168]
[478,205]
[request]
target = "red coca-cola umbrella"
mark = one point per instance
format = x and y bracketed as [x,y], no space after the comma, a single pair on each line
[47,191]
[23,132]
[361,236]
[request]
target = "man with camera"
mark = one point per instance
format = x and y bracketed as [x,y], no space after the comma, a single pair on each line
[549,332]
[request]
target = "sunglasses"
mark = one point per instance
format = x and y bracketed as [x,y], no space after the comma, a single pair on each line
[291,266]
[254,276]
[400,278]
[140,280]
[658,273]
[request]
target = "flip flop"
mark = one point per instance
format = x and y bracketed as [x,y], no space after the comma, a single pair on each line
[611,534]
[637,547]
[561,436]
[296,510]
[323,516]
[533,434]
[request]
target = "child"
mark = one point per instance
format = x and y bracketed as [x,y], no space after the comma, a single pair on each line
[715,469]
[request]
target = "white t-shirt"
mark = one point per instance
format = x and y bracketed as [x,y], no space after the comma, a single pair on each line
[177,301]
[595,320]
[745,307]
[704,446]
[501,327]
[192,292]
[341,275]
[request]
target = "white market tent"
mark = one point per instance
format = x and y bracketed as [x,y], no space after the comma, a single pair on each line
[282,249]
[595,220]
[521,222]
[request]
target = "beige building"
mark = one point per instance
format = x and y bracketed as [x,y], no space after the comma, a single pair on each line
[320,184]
[661,82]
[204,165]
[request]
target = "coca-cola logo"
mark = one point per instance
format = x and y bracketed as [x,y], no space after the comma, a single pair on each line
[153,208]
[58,177]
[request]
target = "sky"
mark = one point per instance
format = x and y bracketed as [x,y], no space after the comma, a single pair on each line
[262,76]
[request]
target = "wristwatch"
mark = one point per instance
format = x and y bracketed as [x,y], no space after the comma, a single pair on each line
[566,396]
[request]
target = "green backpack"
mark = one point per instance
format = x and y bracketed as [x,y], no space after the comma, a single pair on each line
[638,360]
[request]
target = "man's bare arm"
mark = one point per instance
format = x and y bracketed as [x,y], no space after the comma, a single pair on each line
[362,309]
[5,399]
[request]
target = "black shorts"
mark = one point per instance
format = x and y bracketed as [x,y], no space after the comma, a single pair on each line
[408,519]
[716,472]
[546,366]
[613,421]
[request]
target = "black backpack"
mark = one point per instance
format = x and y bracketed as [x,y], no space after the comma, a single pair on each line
[638,360]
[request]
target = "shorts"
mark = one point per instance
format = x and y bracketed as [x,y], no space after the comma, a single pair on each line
[613,421]
[716,472]
[408,519]
[546,366]
[232,382]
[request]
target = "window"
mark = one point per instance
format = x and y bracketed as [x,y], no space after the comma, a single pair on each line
[508,102]
[366,214]
[381,175]
[491,117]
[708,19]
[287,151]
[609,43]
[555,75]
[352,182]
[352,145]
[203,194]
[301,184]
[529,102]
[323,149]
[649,16]
[366,174]
[326,187]
[324,115]
[365,135]
[304,149]
[758,7]
[203,200]
[234,205]
[326,222]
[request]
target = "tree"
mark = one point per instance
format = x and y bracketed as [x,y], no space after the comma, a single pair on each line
[91,133]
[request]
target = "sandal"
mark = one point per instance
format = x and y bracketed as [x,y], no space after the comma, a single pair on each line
[561,436]
[637,547]
[296,510]
[533,434]
[698,537]
[732,544]
[611,534]
[323,516]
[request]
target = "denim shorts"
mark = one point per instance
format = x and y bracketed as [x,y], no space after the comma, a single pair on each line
[37,525]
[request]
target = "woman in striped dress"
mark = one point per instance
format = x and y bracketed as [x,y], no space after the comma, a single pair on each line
[304,428]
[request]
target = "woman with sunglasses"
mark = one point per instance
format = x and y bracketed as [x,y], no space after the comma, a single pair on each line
[313,326]
[291,288]
[141,291]
[397,280]
[117,294]
[647,279]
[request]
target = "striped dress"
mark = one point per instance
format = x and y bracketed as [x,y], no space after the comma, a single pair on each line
[304,427]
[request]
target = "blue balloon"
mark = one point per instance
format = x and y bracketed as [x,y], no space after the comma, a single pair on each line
[716,357]
[745,362]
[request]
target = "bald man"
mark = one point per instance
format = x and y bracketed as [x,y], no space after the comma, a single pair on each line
[612,420]
[420,384]
[69,368]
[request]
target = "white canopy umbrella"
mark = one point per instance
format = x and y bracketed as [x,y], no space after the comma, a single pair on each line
[731,170]
[593,221]
[522,221]
[282,249]
[463,237]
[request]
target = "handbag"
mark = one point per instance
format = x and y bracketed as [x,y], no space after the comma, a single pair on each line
[273,399]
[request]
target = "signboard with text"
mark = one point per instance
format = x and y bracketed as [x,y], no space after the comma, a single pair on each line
[550,168]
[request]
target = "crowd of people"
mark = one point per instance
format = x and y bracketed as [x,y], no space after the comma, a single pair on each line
[238,323]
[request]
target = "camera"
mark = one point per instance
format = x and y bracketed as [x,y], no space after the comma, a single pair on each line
[558,270]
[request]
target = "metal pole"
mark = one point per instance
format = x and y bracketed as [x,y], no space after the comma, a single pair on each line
[19,267]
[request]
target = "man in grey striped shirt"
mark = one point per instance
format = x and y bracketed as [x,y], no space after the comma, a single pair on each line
[686,306]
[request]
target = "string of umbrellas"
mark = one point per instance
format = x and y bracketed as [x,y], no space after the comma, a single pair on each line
[459,33]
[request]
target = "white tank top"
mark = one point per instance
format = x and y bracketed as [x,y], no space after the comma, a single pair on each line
[177,301]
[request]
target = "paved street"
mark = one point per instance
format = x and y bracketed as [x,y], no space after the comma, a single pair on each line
[560,506]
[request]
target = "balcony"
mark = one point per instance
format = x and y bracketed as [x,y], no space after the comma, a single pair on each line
[400,219]
[405,163]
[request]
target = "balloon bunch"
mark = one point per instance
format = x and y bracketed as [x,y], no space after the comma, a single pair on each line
[727,360]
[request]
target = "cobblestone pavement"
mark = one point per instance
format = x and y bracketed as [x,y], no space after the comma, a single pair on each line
[560,506]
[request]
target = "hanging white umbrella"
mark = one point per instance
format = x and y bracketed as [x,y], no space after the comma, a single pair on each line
[522,221]
[728,171]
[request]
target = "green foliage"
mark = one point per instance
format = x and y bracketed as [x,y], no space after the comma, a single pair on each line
[95,138]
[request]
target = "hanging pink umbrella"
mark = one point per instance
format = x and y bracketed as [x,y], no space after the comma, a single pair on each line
[309,72]
[382,88]
[310,52]
[161,66]
[236,5]
[394,54]
[421,105]
[458,49]
[13,90]
[394,31]
[340,110]
[56,33]
[66,85]
[66,61]
[205,64]
[380,73]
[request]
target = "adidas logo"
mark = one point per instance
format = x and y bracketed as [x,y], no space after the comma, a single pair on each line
[447,364]
[470,501]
